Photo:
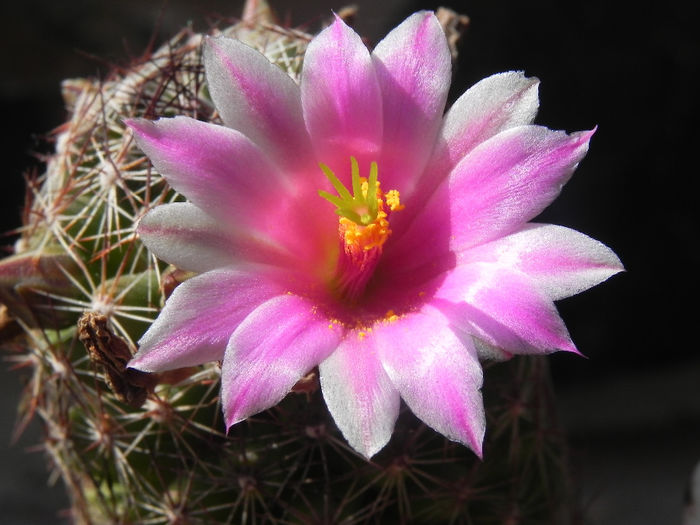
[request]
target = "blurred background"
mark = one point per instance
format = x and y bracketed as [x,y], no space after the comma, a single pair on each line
[632,407]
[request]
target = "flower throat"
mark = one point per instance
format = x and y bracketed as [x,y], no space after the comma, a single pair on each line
[363,228]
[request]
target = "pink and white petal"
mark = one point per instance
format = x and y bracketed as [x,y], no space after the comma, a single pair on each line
[341,99]
[436,373]
[560,261]
[258,99]
[221,171]
[503,308]
[494,104]
[183,235]
[359,394]
[200,316]
[274,347]
[502,184]
[413,65]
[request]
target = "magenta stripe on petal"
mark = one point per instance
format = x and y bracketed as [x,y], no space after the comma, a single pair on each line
[437,375]
[503,308]
[258,99]
[270,351]
[560,261]
[492,105]
[359,395]
[221,171]
[510,179]
[341,99]
[502,184]
[211,165]
[413,65]
[199,317]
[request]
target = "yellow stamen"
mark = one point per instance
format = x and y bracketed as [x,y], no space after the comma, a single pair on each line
[392,200]
[390,316]
[363,226]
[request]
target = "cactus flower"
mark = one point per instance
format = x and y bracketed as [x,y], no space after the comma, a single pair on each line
[346,222]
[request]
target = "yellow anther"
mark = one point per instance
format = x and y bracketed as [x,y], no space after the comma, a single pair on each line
[390,316]
[392,200]
[358,237]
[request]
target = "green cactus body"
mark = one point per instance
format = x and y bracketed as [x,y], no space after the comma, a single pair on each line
[169,460]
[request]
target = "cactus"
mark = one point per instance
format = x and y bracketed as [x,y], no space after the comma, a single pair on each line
[132,447]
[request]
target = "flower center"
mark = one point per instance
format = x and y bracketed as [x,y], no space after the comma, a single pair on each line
[363,228]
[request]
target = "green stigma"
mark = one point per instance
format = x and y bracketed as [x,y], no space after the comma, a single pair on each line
[361,206]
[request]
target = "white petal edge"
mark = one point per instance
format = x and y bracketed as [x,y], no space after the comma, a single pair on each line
[492,105]
[359,394]
[183,235]
[560,261]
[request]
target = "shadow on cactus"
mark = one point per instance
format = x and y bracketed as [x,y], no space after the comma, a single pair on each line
[150,445]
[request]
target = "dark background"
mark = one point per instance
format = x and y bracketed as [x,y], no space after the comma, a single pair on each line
[632,408]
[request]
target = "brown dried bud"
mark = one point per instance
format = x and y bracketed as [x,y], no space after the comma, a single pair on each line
[111,352]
